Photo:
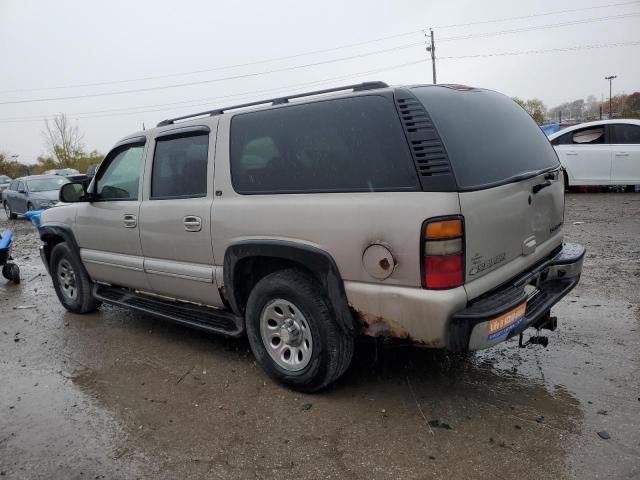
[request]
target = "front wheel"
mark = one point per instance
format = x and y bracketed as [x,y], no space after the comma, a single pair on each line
[72,285]
[293,333]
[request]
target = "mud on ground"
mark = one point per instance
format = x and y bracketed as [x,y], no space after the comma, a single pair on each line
[120,395]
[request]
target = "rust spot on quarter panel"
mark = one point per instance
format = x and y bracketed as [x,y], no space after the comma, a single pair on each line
[382,327]
[378,326]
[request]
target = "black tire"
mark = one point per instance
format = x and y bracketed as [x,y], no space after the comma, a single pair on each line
[332,347]
[29,207]
[14,273]
[567,187]
[11,272]
[10,214]
[77,295]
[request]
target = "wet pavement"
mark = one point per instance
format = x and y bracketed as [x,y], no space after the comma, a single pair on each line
[120,395]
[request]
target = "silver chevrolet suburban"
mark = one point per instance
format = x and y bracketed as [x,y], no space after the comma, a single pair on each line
[431,214]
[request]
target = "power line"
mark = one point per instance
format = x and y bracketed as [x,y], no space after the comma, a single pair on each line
[540,27]
[208,101]
[549,50]
[525,17]
[314,52]
[199,102]
[213,80]
[214,69]
[323,62]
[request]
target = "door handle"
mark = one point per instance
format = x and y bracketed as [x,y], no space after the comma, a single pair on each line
[571,152]
[192,223]
[622,154]
[130,221]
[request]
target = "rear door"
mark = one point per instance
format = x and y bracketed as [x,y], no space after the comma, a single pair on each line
[586,155]
[625,146]
[510,191]
[175,216]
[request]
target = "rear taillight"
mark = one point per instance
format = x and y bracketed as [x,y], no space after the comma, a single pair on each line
[443,252]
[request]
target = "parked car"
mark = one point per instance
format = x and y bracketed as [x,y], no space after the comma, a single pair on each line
[397,212]
[605,152]
[5,181]
[35,192]
[71,173]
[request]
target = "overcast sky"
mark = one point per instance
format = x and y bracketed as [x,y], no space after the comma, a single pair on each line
[69,43]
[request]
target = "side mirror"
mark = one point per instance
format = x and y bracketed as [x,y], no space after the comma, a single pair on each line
[73,192]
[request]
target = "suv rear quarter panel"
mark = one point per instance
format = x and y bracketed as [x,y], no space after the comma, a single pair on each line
[341,224]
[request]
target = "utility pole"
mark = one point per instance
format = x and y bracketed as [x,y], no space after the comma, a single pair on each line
[610,78]
[431,48]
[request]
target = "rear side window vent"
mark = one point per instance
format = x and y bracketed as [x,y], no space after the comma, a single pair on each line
[428,152]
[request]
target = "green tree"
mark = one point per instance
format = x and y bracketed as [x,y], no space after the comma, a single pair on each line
[534,107]
[13,168]
[632,105]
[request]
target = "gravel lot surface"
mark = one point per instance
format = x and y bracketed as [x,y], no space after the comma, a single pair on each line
[120,395]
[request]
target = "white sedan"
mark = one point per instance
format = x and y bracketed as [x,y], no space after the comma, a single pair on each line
[606,152]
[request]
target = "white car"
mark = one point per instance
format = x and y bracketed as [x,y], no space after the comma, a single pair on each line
[606,152]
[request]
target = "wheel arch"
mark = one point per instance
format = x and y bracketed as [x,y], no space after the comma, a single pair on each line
[52,234]
[246,262]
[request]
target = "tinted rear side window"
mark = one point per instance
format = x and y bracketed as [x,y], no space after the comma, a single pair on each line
[626,134]
[344,145]
[488,137]
[180,166]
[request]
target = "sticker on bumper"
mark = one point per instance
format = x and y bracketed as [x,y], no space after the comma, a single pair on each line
[506,322]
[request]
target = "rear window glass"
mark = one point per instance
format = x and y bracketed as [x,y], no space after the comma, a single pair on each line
[626,134]
[488,137]
[344,145]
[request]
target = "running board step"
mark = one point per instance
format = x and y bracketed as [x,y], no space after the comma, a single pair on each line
[194,316]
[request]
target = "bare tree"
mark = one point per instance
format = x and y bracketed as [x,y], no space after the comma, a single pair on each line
[63,140]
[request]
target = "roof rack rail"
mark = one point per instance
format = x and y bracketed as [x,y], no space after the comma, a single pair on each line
[277,101]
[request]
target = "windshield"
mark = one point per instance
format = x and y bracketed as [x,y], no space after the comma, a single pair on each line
[488,137]
[46,184]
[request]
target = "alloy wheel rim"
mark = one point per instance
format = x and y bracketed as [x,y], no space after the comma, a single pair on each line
[286,335]
[67,280]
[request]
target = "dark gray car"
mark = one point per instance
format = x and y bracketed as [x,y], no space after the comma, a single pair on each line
[35,192]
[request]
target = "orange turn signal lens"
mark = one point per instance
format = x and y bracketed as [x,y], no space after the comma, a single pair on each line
[443,229]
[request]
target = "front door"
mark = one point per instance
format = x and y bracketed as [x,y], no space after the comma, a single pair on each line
[175,216]
[586,156]
[625,140]
[19,203]
[107,228]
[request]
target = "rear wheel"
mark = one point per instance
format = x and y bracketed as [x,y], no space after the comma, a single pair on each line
[71,283]
[293,333]
[10,214]
[29,207]
[567,187]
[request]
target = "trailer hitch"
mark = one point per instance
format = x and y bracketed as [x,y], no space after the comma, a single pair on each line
[535,340]
[546,323]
